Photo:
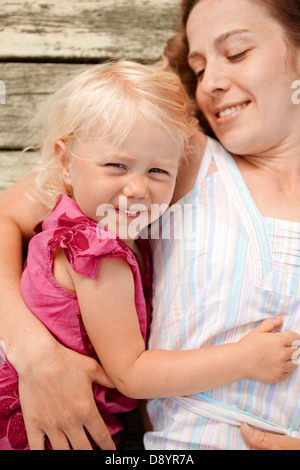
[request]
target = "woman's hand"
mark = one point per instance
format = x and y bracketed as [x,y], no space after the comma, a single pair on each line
[57,401]
[267,441]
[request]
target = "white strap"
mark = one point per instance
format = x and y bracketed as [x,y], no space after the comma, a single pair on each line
[219,411]
[205,163]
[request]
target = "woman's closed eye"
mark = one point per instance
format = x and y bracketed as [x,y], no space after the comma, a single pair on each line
[237,57]
[232,58]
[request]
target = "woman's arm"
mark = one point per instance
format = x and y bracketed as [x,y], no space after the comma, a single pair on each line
[108,310]
[18,216]
[48,373]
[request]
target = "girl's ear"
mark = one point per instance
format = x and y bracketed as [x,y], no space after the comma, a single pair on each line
[63,159]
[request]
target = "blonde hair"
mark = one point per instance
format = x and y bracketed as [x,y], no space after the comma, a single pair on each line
[104,103]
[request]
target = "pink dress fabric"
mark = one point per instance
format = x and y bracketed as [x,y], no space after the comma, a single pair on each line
[85,243]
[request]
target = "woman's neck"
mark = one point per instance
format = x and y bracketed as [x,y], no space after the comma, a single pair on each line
[273,180]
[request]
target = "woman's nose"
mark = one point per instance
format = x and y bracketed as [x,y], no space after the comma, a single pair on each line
[214,80]
[136,187]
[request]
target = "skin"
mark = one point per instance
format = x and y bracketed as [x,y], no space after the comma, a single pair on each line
[273,181]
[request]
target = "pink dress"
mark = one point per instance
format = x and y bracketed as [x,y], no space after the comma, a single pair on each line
[85,243]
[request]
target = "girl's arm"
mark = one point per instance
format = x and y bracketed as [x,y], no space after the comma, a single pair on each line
[46,369]
[108,311]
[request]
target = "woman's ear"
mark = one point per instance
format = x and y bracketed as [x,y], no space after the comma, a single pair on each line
[63,159]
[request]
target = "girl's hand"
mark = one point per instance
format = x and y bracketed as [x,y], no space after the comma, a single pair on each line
[267,441]
[57,401]
[267,356]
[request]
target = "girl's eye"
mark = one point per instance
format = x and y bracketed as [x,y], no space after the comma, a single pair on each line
[116,165]
[157,170]
[237,56]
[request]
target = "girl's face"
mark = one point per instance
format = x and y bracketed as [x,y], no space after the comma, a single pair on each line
[122,188]
[245,75]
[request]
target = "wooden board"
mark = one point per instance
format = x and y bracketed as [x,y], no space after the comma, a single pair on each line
[27,85]
[94,29]
[14,165]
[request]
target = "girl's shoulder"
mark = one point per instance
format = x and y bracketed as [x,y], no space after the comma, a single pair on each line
[84,241]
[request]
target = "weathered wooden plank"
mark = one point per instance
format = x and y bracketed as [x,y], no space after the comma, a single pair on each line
[94,29]
[27,85]
[14,165]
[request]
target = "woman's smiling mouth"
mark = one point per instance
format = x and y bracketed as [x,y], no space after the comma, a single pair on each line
[225,113]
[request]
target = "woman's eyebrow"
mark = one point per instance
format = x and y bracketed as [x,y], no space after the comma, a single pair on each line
[223,37]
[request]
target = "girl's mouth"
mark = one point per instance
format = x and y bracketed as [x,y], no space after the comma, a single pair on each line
[128,213]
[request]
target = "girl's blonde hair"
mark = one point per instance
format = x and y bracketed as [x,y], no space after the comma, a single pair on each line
[104,103]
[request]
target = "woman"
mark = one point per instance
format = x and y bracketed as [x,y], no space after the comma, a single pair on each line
[244,211]
[238,102]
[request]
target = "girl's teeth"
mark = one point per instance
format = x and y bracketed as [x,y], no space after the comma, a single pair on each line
[128,212]
[232,110]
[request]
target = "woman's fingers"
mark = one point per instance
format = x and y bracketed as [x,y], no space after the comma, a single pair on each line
[98,431]
[57,401]
[267,441]
[36,438]
[73,434]
[58,441]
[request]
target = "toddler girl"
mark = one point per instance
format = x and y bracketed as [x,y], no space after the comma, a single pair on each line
[114,138]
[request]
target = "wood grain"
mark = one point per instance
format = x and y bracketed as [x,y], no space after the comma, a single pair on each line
[95,29]
[27,85]
[14,165]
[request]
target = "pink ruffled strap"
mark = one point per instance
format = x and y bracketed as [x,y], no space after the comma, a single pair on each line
[84,241]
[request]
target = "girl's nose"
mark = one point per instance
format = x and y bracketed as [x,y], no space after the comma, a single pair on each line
[136,187]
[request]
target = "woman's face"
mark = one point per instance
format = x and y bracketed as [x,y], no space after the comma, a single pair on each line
[245,75]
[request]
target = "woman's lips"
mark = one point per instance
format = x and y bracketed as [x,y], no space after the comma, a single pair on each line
[227,113]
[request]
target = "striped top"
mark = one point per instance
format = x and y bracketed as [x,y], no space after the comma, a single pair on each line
[220,268]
